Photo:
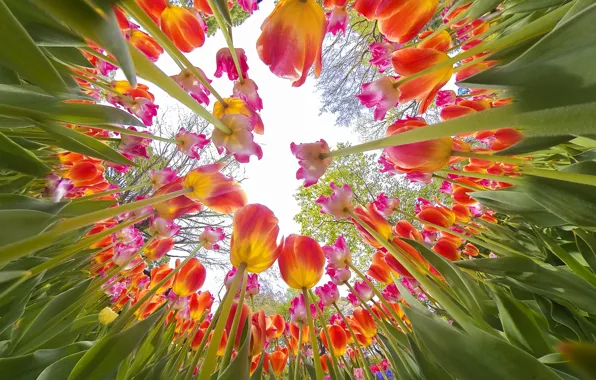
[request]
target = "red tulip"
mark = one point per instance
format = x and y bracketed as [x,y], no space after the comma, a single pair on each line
[190,278]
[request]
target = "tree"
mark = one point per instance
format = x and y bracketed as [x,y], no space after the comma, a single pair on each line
[361,172]
[166,155]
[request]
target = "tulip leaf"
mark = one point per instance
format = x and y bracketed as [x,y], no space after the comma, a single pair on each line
[97,24]
[78,142]
[21,202]
[257,374]
[61,369]
[428,367]
[520,325]
[15,157]
[83,207]
[480,7]
[582,356]
[552,282]
[457,352]
[69,56]
[532,144]
[8,76]
[30,366]
[107,354]
[240,366]
[10,275]
[586,243]
[222,8]
[21,54]
[154,372]
[90,114]
[532,5]
[71,333]
[586,167]
[21,224]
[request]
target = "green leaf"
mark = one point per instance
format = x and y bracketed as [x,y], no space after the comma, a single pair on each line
[30,366]
[46,326]
[13,308]
[70,56]
[428,367]
[586,167]
[16,185]
[6,276]
[480,7]
[96,24]
[21,224]
[454,350]
[21,202]
[239,368]
[257,374]
[90,114]
[586,244]
[84,207]
[14,157]
[520,325]
[20,54]
[61,369]
[556,283]
[74,141]
[8,76]
[107,354]
[72,333]
[582,356]
[532,5]
[533,143]
[222,7]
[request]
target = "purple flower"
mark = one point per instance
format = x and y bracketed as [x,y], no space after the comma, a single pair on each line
[57,187]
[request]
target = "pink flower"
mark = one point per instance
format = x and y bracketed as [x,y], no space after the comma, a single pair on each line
[190,143]
[381,55]
[252,285]
[328,293]
[428,236]
[337,21]
[144,109]
[57,187]
[445,98]
[358,374]
[335,319]
[387,166]
[363,290]
[391,293]
[134,146]
[247,91]
[338,275]
[193,86]
[312,166]
[143,210]
[419,177]
[230,277]
[477,210]
[129,235]
[123,253]
[241,142]
[446,188]
[421,202]
[493,256]
[249,6]
[120,168]
[162,177]
[298,314]
[337,204]
[385,364]
[210,236]
[338,254]
[163,228]
[385,205]
[225,63]
[379,94]
[353,299]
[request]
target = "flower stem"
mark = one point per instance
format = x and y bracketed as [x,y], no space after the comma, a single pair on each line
[209,362]
[110,192]
[498,178]
[489,157]
[313,338]
[234,329]
[297,361]
[324,328]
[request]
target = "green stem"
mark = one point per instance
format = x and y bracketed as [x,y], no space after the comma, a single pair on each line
[234,329]
[313,337]
[490,157]
[110,192]
[498,178]
[582,179]
[324,328]
[209,362]
[297,360]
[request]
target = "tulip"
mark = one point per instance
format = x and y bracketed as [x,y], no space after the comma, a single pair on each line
[144,109]
[292,39]
[301,261]
[176,207]
[198,338]
[106,316]
[363,290]
[337,21]
[190,278]
[192,85]
[183,27]
[312,166]
[379,270]
[240,142]
[210,236]
[325,362]
[146,44]
[247,91]
[445,98]
[410,61]
[391,293]
[440,42]
[471,250]
[297,309]
[199,304]
[252,285]
[212,188]
[158,248]
[328,293]
[162,228]
[462,213]
[405,229]
[158,274]
[244,314]
[225,63]
[381,55]
[386,205]
[365,321]
[57,187]
[135,146]
[380,94]
[436,215]
[409,251]
[338,338]
[254,235]
[153,8]
[371,217]
[338,254]
[447,249]
[400,21]
[338,275]
[277,326]
[249,6]
[295,332]
[85,173]
[162,177]
[337,204]
[278,360]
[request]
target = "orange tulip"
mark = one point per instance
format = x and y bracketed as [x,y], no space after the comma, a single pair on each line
[254,362]
[153,8]
[379,270]
[258,330]
[405,229]
[447,249]
[360,334]
[85,173]
[183,27]
[212,188]
[277,326]
[338,338]
[146,44]
[198,338]
[440,42]
[471,250]
[409,251]
[295,332]
[176,207]
[244,314]
[462,213]
[292,39]
[203,6]
[410,61]
[237,106]
[373,218]
[158,274]
[254,238]
[400,21]
[190,278]
[301,261]
[199,304]
[425,156]
[436,215]
[325,362]
[366,321]
[278,360]
[158,248]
